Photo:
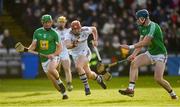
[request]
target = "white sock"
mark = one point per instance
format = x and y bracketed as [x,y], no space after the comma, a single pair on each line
[58,81]
[131,86]
[172,93]
[98,78]
[64,93]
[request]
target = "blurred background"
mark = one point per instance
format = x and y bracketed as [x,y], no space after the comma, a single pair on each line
[114,19]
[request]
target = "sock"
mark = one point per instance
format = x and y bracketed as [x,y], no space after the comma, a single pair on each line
[64,93]
[131,85]
[69,83]
[98,78]
[84,80]
[172,93]
[59,81]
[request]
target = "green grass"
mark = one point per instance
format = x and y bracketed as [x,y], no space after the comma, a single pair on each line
[40,92]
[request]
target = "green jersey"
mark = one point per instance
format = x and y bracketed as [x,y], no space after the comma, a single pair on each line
[46,41]
[157,44]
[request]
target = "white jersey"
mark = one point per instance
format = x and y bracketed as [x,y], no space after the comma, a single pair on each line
[82,46]
[62,35]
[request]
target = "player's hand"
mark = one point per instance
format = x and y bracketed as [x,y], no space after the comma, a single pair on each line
[75,43]
[125,46]
[50,56]
[131,57]
[95,43]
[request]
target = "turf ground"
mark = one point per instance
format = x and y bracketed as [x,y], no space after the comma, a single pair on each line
[40,92]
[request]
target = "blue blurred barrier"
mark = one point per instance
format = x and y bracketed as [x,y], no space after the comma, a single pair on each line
[30,65]
[173,65]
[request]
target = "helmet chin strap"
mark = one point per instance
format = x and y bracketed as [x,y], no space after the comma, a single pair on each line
[47,29]
[144,22]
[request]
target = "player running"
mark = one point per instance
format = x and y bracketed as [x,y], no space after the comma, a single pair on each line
[64,56]
[46,41]
[77,42]
[151,36]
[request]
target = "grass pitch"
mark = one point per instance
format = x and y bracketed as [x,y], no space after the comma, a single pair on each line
[40,92]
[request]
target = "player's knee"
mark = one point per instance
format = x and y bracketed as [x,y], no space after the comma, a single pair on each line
[79,67]
[66,69]
[134,64]
[51,68]
[158,79]
[88,75]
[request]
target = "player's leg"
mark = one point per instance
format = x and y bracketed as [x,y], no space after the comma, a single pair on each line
[92,75]
[158,76]
[53,75]
[67,69]
[79,64]
[140,60]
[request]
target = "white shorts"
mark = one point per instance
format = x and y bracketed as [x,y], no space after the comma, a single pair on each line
[155,58]
[64,55]
[84,52]
[46,64]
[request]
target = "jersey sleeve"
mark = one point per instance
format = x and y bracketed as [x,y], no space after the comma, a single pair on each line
[152,30]
[88,30]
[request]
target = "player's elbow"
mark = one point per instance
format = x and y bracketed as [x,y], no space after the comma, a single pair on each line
[144,43]
[94,30]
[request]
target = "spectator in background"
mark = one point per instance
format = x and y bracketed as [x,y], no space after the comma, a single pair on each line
[1,38]
[8,40]
[113,17]
[1,7]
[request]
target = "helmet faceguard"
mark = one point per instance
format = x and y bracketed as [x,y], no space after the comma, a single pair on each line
[76,27]
[61,22]
[47,21]
[142,16]
[142,13]
[62,19]
[46,18]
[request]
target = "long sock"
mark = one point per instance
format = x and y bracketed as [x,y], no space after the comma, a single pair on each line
[172,93]
[131,85]
[98,78]
[59,81]
[84,80]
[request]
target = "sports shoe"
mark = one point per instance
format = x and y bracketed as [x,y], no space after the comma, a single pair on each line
[69,86]
[101,82]
[62,88]
[87,91]
[65,97]
[128,92]
[174,97]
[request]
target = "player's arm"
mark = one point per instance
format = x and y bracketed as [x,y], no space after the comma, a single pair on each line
[145,42]
[33,45]
[94,33]
[58,44]
[95,36]
[57,52]
[58,49]
[137,50]
[69,44]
